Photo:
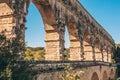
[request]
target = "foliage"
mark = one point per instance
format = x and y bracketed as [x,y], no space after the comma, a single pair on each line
[9,52]
[71,74]
[6,74]
[118,78]
[34,53]
[66,53]
[38,53]
[117,54]
[117,45]
[23,73]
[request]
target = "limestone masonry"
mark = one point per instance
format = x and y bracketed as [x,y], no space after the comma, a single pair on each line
[89,41]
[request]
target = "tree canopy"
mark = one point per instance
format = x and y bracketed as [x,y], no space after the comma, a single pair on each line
[10,48]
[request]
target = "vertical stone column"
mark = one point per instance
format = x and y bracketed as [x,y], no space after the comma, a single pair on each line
[52,46]
[12,20]
[98,55]
[92,42]
[54,49]
[6,19]
[20,8]
[93,56]
[88,52]
[105,56]
[75,51]
[82,49]
[93,48]
[76,41]
[79,41]
[101,49]
[109,57]
[61,38]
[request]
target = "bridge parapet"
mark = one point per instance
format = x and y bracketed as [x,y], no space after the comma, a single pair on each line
[60,65]
[53,69]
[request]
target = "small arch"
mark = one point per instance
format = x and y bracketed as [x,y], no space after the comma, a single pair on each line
[94,76]
[105,76]
[98,52]
[71,19]
[97,41]
[87,35]
[51,31]
[112,74]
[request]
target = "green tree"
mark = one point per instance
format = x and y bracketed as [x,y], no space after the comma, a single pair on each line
[9,53]
[66,53]
[34,53]
[71,74]
[117,54]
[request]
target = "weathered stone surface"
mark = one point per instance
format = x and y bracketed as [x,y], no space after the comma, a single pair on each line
[5,9]
[6,19]
[88,40]
[102,73]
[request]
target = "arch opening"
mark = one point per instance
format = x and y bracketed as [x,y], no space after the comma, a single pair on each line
[34,34]
[88,51]
[67,41]
[66,44]
[94,76]
[105,76]
[75,46]
[112,75]
[52,35]
[105,54]
[98,54]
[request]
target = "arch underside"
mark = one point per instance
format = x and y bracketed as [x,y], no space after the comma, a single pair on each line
[86,42]
[105,76]
[112,74]
[94,76]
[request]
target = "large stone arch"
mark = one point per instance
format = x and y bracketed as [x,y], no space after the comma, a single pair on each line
[94,76]
[97,42]
[105,76]
[102,49]
[105,52]
[75,49]
[110,54]
[56,14]
[88,51]
[54,36]
[46,11]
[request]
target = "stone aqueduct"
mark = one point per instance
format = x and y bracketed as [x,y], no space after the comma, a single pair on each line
[88,39]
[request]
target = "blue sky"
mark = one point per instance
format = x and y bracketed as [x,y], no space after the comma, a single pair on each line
[105,12]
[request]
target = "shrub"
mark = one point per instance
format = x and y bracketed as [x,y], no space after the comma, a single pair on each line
[71,74]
